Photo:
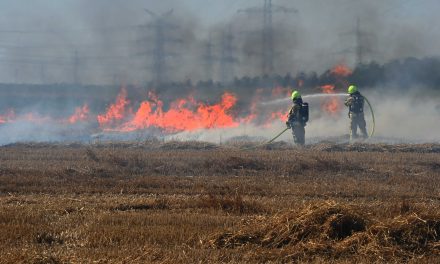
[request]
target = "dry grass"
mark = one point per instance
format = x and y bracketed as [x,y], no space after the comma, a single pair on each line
[198,202]
[334,231]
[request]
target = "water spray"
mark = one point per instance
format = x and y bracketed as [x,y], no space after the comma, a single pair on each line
[324,95]
[373,126]
[310,96]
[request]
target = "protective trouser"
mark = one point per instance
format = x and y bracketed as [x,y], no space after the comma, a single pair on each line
[299,133]
[357,120]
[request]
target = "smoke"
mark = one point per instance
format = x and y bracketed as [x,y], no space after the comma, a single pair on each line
[100,42]
[30,132]
[91,42]
[408,118]
[111,49]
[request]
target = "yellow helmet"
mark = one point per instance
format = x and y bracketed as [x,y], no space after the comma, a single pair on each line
[352,89]
[295,95]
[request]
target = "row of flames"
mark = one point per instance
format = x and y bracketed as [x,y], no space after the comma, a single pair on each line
[185,114]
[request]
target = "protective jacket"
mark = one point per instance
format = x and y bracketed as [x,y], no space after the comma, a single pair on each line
[296,122]
[355,103]
[294,115]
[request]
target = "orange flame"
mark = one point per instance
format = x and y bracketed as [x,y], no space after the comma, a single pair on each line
[253,113]
[81,114]
[8,117]
[275,116]
[328,89]
[278,114]
[331,105]
[341,70]
[34,118]
[116,111]
[11,117]
[278,92]
[183,115]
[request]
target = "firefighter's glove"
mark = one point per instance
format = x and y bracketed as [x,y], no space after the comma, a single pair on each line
[288,124]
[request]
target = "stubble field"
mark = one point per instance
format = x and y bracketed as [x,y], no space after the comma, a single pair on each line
[203,203]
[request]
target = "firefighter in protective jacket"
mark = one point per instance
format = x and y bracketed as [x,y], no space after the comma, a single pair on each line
[355,104]
[297,118]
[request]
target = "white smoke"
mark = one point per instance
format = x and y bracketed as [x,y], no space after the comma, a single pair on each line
[410,118]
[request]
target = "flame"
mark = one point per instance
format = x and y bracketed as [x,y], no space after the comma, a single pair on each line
[341,70]
[8,117]
[183,115]
[266,117]
[81,114]
[275,116]
[33,118]
[188,114]
[279,92]
[330,105]
[116,111]
[254,111]
[328,89]
[11,117]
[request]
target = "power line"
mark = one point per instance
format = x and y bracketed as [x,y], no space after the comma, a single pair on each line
[160,28]
[360,48]
[208,59]
[119,43]
[49,59]
[268,50]
[227,58]
[113,29]
[76,64]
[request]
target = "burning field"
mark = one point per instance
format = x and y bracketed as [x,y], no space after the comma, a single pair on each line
[190,202]
[151,176]
[152,115]
[169,117]
[134,113]
[150,131]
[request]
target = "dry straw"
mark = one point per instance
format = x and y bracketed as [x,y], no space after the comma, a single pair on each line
[331,230]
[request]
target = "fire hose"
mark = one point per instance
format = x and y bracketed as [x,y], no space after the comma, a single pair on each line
[268,142]
[373,128]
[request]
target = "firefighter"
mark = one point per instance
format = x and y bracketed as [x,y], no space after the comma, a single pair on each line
[297,118]
[355,104]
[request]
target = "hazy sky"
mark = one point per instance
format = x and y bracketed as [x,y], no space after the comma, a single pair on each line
[212,11]
[395,29]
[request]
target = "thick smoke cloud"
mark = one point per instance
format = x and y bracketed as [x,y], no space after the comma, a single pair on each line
[106,39]
[75,43]
[409,118]
[102,41]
